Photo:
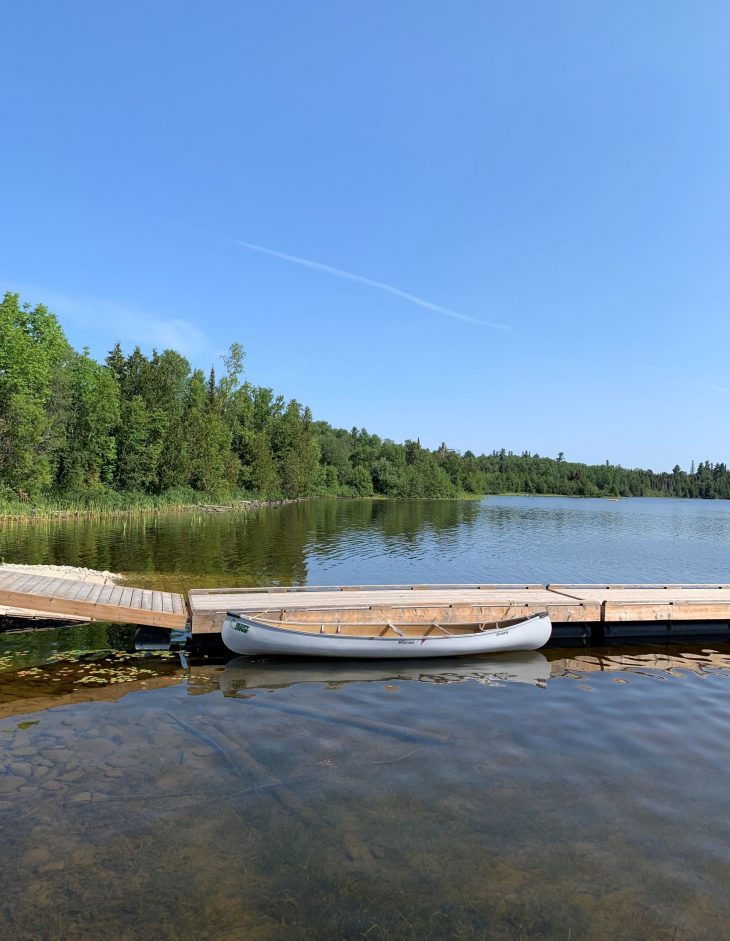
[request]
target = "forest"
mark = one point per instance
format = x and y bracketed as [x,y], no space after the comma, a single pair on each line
[139,430]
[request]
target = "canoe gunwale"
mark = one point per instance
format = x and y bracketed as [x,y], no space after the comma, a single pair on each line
[284,628]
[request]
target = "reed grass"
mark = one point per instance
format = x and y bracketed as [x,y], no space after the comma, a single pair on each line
[107,503]
[112,503]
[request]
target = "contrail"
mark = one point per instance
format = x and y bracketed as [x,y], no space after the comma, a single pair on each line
[369,282]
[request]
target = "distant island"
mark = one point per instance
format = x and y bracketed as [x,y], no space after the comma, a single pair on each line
[137,431]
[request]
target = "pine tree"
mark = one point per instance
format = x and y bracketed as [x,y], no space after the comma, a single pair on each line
[89,454]
[117,362]
[138,446]
[263,477]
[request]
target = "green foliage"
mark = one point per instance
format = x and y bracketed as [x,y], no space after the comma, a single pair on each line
[88,456]
[138,445]
[208,439]
[32,348]
[262,476]
[139,431]
[24,459]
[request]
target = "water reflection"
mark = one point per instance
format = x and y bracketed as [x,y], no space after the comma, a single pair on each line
[98,662]
[245,673]
[499,539]
[267,546]
[668,662]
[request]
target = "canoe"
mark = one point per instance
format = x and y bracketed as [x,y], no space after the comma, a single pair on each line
[242,674]
[393,638]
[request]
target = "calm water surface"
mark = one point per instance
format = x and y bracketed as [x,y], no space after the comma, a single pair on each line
[499,539]
[563,794]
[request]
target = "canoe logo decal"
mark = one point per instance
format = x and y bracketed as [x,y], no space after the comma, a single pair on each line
[243,628]
[406,641]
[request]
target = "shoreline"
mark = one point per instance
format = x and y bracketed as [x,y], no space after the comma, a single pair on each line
[15,514]
[38,514]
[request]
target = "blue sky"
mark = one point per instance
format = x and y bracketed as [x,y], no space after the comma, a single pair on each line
[544,186]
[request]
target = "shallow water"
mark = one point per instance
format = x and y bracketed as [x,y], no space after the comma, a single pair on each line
[569,793]
[563,794]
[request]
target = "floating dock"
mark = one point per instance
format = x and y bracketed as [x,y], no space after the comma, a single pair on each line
[587,611]
[575,610]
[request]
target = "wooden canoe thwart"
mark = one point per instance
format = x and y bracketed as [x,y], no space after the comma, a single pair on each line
[394,635]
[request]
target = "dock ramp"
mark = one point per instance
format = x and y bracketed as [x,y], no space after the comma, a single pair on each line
[68,597]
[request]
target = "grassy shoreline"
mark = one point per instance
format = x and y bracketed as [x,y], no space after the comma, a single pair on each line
[127,505]
[132,504]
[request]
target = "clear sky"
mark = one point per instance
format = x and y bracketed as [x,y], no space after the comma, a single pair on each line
[530,202]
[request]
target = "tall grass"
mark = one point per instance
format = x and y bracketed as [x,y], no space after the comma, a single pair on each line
[110,503]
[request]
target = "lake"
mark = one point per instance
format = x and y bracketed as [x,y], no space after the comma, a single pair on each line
[569,793]
[498,539]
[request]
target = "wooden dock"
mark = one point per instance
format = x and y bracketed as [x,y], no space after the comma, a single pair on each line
[575,610]
[52,596]
[566,604]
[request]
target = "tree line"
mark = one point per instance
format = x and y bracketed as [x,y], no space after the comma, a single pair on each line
[75,428]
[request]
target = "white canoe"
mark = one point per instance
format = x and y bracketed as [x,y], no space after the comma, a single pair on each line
[395,639]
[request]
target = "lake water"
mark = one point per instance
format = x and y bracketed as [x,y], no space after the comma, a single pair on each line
[567,794]
[499,539]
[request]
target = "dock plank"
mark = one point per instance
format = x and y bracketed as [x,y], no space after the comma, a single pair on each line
[85,592]
[95,593]
[24,581]
[8,579]
[105,594]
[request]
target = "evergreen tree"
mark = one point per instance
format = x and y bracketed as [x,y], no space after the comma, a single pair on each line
[25,464]
[263,476]
[89,454]
[138,446]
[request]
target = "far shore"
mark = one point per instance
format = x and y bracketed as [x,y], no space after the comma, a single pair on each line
[20,512]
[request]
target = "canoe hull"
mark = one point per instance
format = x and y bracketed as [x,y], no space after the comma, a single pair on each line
[249,637]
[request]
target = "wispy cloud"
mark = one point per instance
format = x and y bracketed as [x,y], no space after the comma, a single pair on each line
[713,388]
[724,390]
[118,321]
[371,283]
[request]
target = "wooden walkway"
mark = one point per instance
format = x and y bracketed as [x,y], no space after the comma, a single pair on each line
[566,604]
[60,597]
[68,597]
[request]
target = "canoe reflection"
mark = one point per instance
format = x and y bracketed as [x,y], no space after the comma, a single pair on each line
[246,673]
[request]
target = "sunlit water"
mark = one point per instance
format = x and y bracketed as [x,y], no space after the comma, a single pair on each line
[498,539]
[564,794]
